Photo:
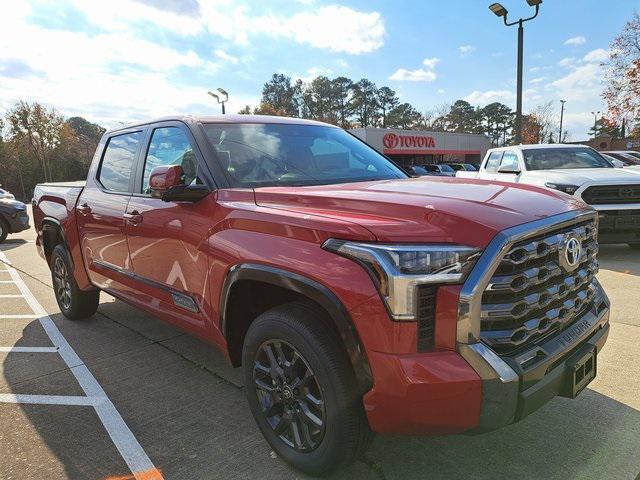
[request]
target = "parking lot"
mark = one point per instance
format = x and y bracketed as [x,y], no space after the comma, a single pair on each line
[123,395]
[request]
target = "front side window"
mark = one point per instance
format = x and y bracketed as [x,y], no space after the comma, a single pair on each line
[568,158]
[256,155]
[509,162]
[117,162]
[170,146]
[492,162]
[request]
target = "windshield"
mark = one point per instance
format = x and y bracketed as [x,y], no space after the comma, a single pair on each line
[446,169]
[258,155]
[556,158]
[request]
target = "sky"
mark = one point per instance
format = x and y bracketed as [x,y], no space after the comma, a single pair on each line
[127,60]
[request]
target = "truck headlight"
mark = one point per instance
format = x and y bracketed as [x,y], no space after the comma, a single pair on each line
[398,269]
[563,187]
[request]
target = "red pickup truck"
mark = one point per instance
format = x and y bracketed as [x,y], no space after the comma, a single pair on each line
[355,298]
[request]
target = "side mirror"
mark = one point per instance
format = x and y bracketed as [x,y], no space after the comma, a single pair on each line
[167,183]
[617,163]
[513,169]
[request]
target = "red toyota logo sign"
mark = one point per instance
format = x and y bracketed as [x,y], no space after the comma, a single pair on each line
[390,140]
[393,141]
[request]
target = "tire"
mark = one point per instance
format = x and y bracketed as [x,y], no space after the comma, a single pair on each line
[75,304]
[4,230]
[330,394]
[635,246]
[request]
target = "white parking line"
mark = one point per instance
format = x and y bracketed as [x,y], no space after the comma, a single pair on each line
[49,399]
[132,452]
[29,349]
[10,296]
[7,317]
[7,281]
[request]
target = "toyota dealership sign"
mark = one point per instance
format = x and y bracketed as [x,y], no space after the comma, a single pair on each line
[400,142]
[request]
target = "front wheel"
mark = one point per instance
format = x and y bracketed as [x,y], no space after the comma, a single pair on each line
[302,390]
[74,303]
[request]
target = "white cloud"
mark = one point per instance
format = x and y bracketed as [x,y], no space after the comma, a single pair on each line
[538,80]
[579,40]
[310,74]
[341,62]
[333,27]
[598,55]
[418,75]
[426,74]
[430,63]
[583,82]
[441,91]
[222,55]
[478,97]
[567,61]
[466,49]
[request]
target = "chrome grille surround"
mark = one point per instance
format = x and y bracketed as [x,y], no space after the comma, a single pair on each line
[531,295]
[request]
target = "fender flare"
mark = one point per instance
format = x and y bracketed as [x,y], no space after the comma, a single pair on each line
[314,291]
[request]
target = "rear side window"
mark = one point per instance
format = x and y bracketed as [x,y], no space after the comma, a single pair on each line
[492,162]
[117,162]
[510,161]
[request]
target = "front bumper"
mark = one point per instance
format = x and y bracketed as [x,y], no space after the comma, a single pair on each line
[18,222]
[513,387]
[618,226]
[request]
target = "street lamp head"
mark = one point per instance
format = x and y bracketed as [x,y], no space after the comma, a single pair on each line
[534,3]
[498,9]
[214,96]
[223,91]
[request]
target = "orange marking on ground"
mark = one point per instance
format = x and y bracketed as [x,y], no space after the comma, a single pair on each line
[153,474]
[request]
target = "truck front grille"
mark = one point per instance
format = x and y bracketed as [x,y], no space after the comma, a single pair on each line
[426,317]
[608,194]
[531,294]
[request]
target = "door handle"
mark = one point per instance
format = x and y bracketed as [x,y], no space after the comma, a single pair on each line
[84,209]
[134,218]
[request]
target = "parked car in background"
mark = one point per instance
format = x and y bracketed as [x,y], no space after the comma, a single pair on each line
[355,299]
[439,170]
[5,195]
[627,158]
[469,167]
[416,170]
[13,217]
[576,170]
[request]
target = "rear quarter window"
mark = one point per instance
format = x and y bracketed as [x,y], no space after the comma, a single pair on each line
[117,162]
[493,161]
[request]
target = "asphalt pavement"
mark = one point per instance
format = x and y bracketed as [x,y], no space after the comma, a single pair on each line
[123,395]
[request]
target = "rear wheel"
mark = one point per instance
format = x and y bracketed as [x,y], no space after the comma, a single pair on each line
[74,303]
[4,230]
[302,391]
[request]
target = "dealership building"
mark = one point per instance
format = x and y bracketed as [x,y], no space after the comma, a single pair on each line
[414,147]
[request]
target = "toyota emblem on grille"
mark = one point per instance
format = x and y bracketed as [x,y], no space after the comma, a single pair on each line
[570,253]
[626,192]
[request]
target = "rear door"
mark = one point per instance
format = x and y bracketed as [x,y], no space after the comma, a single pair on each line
[168,240]
[101,207]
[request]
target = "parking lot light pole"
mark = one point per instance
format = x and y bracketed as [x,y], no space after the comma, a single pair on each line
[561,118]
[218,99]
[500,11]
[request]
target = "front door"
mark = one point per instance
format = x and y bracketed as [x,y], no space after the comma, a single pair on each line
[167,240]
[100,213]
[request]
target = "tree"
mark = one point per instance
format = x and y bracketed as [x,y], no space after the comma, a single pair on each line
[404,116]
[342,88]
[387,101]
[462,118]
[622,73]
[279,95]
[531,129]
[246,110]
[499,122]
[364,102]
[605,126]
[40,127]
[318,100]
[88,136]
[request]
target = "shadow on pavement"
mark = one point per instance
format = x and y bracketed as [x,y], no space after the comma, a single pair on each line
[11,243]
[619,258]
[197,425]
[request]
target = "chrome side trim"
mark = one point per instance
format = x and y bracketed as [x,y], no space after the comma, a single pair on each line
[469,308]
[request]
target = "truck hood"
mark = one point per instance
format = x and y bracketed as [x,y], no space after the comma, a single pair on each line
[580,176]
[425,209]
